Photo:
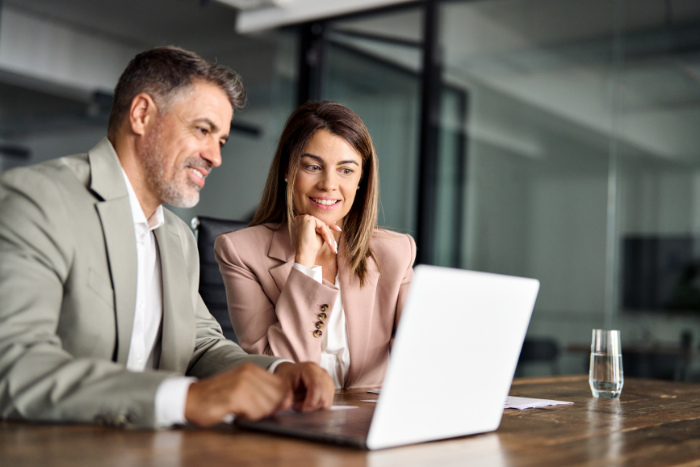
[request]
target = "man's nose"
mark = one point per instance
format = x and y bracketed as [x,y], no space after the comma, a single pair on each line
[212,154]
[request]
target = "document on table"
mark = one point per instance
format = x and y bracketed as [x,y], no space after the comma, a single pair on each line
[522,403]
[512,402]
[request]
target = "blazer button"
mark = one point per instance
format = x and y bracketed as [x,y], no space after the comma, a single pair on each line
[322,316]
[324,307]
[318,333]
[320,325]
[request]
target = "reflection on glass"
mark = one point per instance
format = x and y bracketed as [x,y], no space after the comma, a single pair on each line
[452,165]
[556,91]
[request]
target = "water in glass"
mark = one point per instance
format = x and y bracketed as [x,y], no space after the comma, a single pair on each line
[606,377]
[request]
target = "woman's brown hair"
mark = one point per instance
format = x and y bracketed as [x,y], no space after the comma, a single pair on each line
[276,203]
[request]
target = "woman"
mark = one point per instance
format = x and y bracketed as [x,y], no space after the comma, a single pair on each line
[313,278]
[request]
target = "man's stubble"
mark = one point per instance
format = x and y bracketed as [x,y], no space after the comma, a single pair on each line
[170,184]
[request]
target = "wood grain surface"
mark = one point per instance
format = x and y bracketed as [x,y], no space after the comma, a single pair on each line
[655,423]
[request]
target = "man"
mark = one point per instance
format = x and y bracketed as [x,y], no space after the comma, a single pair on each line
[100,317]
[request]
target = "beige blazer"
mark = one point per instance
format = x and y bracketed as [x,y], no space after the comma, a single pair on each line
[68,293]
[274,307]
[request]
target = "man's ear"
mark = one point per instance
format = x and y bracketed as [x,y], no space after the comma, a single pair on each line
[142,113]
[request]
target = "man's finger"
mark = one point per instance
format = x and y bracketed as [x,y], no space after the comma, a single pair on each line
[313,395]
[257,393]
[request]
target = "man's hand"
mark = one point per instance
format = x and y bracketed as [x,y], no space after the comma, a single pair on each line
[313,388]
[246,391]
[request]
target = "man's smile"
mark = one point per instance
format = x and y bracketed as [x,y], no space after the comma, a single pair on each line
[197,175]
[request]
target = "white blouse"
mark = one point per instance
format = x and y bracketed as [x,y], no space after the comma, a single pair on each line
[335,351]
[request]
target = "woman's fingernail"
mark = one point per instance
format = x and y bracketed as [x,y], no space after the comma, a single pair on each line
[336,247]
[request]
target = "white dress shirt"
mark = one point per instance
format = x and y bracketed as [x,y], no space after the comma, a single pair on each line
[335,351]
[144,351]
[145,348]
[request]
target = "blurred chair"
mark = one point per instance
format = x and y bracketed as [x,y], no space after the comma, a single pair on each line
[685,358]
[539,351]
[211,284]
[659,361]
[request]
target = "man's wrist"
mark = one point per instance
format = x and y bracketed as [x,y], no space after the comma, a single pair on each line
[277,363]
[170,401]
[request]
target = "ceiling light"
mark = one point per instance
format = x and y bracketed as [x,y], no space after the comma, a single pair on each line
[247,5]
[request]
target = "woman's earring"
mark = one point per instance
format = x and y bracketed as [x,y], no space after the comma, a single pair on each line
[285,179]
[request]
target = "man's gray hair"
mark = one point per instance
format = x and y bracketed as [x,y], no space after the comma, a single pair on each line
[163,73]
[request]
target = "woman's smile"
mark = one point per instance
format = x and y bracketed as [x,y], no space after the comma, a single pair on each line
[325,203]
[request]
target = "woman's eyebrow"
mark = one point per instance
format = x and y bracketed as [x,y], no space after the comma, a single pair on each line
[319,159]
[313,157]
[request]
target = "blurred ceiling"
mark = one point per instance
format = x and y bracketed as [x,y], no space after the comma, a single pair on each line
[205,26]
[144,23]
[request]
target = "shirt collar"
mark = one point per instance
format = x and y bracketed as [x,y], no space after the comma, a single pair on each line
[156,220]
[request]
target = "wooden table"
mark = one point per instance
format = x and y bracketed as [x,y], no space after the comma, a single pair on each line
[656,423]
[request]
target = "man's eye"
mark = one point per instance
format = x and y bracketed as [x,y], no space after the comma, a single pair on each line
[204,131]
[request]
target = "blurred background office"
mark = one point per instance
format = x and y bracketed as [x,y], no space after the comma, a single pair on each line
[551,139]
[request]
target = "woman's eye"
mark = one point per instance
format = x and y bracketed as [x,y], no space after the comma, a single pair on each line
[312,167]
[347,171]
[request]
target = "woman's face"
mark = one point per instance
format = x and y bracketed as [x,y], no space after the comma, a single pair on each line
[328,177]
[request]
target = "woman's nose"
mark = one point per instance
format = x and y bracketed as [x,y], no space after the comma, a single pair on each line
[329,181]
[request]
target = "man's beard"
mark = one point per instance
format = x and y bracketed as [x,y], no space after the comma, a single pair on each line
[170,187]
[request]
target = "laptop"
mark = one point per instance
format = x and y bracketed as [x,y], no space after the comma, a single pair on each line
[450,370]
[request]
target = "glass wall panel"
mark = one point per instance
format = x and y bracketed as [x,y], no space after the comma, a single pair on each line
[582,164]
[538,132]
[658,145]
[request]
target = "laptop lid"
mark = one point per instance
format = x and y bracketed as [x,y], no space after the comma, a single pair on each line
[454,356]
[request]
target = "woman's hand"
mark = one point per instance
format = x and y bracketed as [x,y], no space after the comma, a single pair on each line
[310,235]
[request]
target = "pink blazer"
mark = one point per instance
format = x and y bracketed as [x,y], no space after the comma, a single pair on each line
[274,308]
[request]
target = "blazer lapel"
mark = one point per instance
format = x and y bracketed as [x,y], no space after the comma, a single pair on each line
[358,303]
[178,315]
[107,182]
[281,249]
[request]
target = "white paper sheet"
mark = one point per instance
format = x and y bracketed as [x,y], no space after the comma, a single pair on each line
[519,403]
[522,403]
[344,407]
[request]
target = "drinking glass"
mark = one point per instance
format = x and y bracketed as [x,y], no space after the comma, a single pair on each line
[605,375]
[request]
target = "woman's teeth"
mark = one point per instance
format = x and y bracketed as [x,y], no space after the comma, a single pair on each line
[325,202]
